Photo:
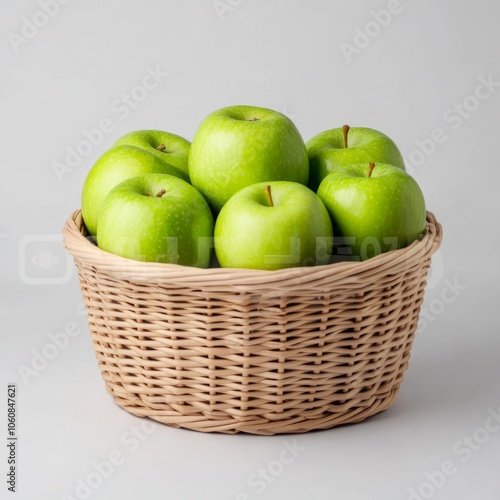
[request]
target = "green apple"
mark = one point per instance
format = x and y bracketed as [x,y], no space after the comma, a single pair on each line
[273,225]
[170,148]
[343,146]
[374,208]
[157,218]
[238,146]
[141,152]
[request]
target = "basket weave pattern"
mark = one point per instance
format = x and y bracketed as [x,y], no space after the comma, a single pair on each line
[263,352]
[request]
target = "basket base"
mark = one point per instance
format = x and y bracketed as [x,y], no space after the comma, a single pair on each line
[258,426]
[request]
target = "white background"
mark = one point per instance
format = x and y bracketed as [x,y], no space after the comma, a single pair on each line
[415,76]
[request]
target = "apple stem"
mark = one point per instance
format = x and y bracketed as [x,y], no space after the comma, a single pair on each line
[269,197]
[160,193]
[371,166]
[345,131]
[161,147]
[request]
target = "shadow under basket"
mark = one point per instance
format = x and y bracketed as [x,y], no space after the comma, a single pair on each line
[261,352]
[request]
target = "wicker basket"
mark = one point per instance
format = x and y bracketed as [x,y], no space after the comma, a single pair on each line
[262,352]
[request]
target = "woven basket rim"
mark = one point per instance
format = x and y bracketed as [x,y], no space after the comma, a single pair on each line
[82,249]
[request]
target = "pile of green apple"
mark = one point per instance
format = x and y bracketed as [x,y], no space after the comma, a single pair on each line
[249,188]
